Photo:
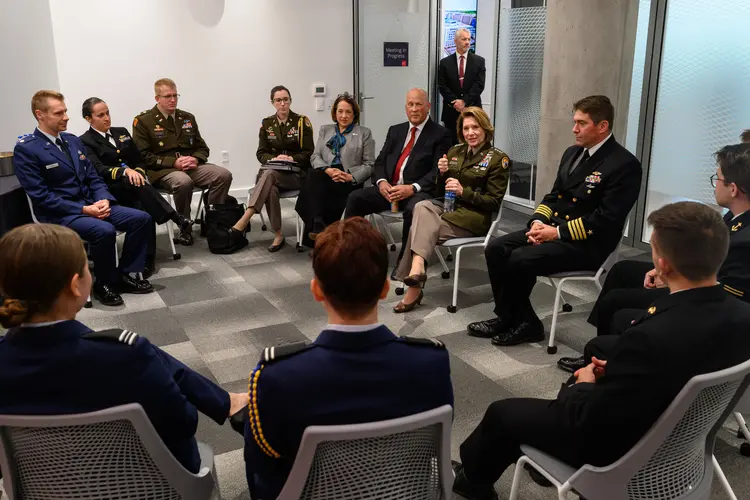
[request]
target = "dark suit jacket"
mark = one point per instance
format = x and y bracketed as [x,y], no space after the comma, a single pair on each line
[592,203]
[421,167]
[108,159]
[59,186]
[684,334]
[734,274]
[450,88]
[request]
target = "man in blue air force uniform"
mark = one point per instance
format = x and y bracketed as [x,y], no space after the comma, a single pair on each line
[356,371]
[65,189]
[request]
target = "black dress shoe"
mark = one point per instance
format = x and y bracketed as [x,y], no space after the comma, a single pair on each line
[487,329]
[463,487]
[129,284]
[524,332]
[276,248]
[107,295]
[571,364]
[185,224]
[185,237]
[537,476]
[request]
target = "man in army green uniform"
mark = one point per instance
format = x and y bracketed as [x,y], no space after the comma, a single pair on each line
[284,136]
[175,153]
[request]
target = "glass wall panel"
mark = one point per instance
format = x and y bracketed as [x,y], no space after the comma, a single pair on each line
[518,92]
[702,102]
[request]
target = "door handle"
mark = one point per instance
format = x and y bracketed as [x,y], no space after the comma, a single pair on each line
[364,98]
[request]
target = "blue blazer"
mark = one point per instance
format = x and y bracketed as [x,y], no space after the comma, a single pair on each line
[58,188]
[65,368]
[344,377]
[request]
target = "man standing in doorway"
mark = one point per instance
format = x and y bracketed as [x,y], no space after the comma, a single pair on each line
[461,81]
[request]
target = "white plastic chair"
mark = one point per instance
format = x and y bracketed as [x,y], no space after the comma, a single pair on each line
[383,217]
[299,223]
[169,196]
[674,460]
[406,457]
[558,279]
[112,453]
[743,406]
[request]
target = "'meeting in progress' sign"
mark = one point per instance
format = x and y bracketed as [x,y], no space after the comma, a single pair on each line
[395,53]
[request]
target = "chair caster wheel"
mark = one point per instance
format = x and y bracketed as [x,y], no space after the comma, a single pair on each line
[552,350]
[445,275]
[300,248]
[400,291]
[449,258]
[452,309]
[393,248]
[745,449]
[88,304]
[567,308]
[177,256]
[264,228]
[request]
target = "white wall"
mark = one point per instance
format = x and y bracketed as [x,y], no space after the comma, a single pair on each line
[27,63]
[225,56]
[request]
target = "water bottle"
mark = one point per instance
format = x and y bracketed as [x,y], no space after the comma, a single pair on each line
[449,203]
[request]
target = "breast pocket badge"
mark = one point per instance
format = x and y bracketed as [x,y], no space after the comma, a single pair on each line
[52,165]
[124,138]
[188,125]
[594,178]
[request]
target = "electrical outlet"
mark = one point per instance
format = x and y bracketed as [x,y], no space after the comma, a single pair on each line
[225,156]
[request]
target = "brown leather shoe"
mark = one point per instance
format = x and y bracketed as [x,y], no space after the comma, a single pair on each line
[402,307]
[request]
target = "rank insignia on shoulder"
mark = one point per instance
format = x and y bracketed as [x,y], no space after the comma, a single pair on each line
[423,341]
[135,122]
[283,351]
[117,334]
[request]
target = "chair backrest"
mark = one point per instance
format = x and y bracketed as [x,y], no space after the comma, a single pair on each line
[407,457]
[31,209]
[107,454]
[674,459]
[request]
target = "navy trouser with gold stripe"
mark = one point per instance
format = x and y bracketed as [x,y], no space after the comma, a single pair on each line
[513,265]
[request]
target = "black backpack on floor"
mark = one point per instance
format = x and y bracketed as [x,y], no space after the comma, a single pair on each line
[218,218]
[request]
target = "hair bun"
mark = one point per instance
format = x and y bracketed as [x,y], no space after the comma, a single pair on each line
[13,312]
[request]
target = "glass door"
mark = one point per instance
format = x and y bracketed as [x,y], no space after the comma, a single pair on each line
[395,50]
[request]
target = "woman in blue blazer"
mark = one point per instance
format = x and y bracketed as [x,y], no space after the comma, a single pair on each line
[342,162]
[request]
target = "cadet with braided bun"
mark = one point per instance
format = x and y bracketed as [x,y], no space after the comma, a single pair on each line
[51,364]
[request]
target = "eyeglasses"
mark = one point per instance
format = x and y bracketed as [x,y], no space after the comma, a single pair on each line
[170,96]
[282,100]
[715,178]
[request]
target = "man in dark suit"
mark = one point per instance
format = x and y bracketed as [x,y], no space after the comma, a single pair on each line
[698,328]
[631,286]
[354,372]
[406,168]
[575,228]
[65,189]
[117,159]
[461,81]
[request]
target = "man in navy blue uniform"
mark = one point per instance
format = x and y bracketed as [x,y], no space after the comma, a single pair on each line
[356,371]
[65,189]
[51,364]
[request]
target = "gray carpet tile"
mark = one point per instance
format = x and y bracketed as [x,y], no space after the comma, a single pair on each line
[217,312]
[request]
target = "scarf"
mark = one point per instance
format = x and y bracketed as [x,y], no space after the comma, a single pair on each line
[338,141]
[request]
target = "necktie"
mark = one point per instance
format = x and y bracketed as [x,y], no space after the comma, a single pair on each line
[404,155]
[64,149]
[585,156]
[111,139]
[461,72]
[170,121]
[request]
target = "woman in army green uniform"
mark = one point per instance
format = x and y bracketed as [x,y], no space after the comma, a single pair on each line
[478,174]
[286,136]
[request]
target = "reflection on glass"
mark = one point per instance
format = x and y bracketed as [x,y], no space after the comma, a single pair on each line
[702,102]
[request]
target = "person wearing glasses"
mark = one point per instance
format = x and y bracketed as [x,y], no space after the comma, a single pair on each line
[175,153]
[341,163]
[631,286]
[285,136]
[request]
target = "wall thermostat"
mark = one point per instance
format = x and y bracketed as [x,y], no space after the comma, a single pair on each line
[319,90]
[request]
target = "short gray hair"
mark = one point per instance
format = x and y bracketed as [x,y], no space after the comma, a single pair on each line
[459,30]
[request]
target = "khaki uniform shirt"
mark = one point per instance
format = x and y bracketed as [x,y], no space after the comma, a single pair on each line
[484,178]
[162,141]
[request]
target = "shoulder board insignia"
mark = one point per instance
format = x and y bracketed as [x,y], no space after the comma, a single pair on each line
[423,341]
[736,227]
[283,351]
[115,334]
